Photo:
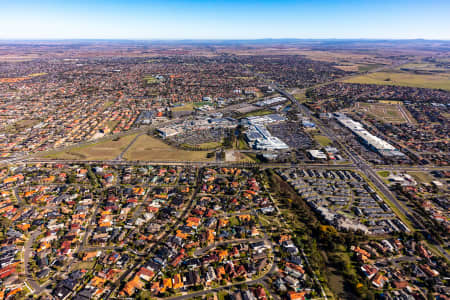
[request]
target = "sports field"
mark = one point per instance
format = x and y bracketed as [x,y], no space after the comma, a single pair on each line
[386,111]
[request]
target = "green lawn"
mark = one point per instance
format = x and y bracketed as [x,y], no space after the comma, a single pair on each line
[322,140]
[384,173]
[150,79]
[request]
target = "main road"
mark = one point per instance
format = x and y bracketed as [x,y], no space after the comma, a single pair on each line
[360,164]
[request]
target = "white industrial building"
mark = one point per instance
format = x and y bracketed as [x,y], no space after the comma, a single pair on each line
[260,138]
[372,141]
[262,120]
[270,101]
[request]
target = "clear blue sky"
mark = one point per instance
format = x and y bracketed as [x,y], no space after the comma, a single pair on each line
[209,19]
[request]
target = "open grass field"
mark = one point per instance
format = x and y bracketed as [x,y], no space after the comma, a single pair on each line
[235,156]
[421,177]
[322,140]
[434,81]
[37,74]
[20,125]
[104,150]
[82,265]
[388,112]
[369,67]
[150,79]
[150,148]
[185,107]
[209,145]
[423,67]
[384,174]
[201,103]
[261,112]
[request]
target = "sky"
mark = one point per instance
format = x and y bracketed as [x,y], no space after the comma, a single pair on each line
[227,19]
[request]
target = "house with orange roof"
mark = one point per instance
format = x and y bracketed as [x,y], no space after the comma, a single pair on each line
[91,255]
[244,218]
[369,270]
[296,295]
[423,251]
[220,271]
[49,179]
[363,254]
[177,282]
[222,254]
[167,284]
[210,235]
[145,274]
[223,222]
[9,180]
[24,226]
[193,222]
[162,196]
[97,282]
[255,231]
[13,292]
[138,191]
[182,235]
[379,280]
[133,285]
[177,260]
[284,237]
[30,193]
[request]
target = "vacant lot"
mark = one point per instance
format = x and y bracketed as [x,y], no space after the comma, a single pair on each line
[421,177]
[185,107]
[322,140]
[435,81]
[105,150]
[150,148]
[261,112]
[388,112]
[203,146]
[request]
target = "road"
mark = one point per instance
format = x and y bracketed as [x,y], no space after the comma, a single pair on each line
[88,229]
[164,235]
[120,156]
[37,289]
[20,201]
[209,291]
[365,168]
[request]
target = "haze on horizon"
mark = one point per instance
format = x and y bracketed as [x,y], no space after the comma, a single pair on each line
[232,19]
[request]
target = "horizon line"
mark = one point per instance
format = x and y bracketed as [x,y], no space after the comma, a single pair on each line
[225,39]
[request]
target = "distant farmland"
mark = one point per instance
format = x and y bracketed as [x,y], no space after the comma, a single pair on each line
[435,81]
